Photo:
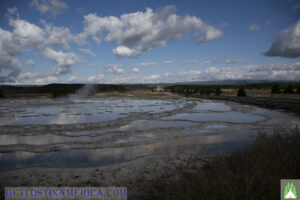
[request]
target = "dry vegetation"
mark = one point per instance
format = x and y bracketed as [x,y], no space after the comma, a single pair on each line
[252,173]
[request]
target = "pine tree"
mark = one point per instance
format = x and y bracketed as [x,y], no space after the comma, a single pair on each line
[275,89]
[289,90]
[241,92]
[218,91]
[298,90]
[1,94]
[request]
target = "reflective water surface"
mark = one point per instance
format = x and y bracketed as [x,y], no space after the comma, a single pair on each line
[84,132]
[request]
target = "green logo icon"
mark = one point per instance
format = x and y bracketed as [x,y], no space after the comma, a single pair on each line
[290,191]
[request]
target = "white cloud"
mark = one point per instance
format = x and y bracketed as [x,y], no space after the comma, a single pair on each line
[64,60]
[13,11]
[123,51]
[211,33]
[146,64]
[254,27]
[30,63]
[167,62]
[212,62]
[151,78]
[87,51]
[128,79]
[247,72]
[26,35]
[113,68]
[287,42]
[61,71]
[272,72]
[96,78]
[58,36]
[73,79]
[142,31]
[135,70]
[143,64]
[8,63]
[222,61]
[49,6]
[46,80]
[28,75]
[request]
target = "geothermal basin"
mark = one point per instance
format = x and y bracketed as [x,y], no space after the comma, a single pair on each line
[92,131]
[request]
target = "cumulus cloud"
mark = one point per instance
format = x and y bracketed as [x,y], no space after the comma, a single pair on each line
[151,78]
[114,68]
[46,80]
[254,27]
[27,36]
[58,36]
[123,51]
[61,71]
[73,79]
[139,32]
[30,63]
[87,51]
[35,78]
[286,43]
[64,60]
[211,33]
[49,6]
[28,75]
[135,70]
[274,72]
[96,78]
[247,72]
[9,65]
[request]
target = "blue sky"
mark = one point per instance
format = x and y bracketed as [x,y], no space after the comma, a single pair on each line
[138,41]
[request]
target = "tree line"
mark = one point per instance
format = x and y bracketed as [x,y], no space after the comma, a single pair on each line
[58,90]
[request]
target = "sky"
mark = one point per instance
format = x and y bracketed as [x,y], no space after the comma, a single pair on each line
[148,41]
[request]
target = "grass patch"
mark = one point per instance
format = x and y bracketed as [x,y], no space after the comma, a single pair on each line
[252,173]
